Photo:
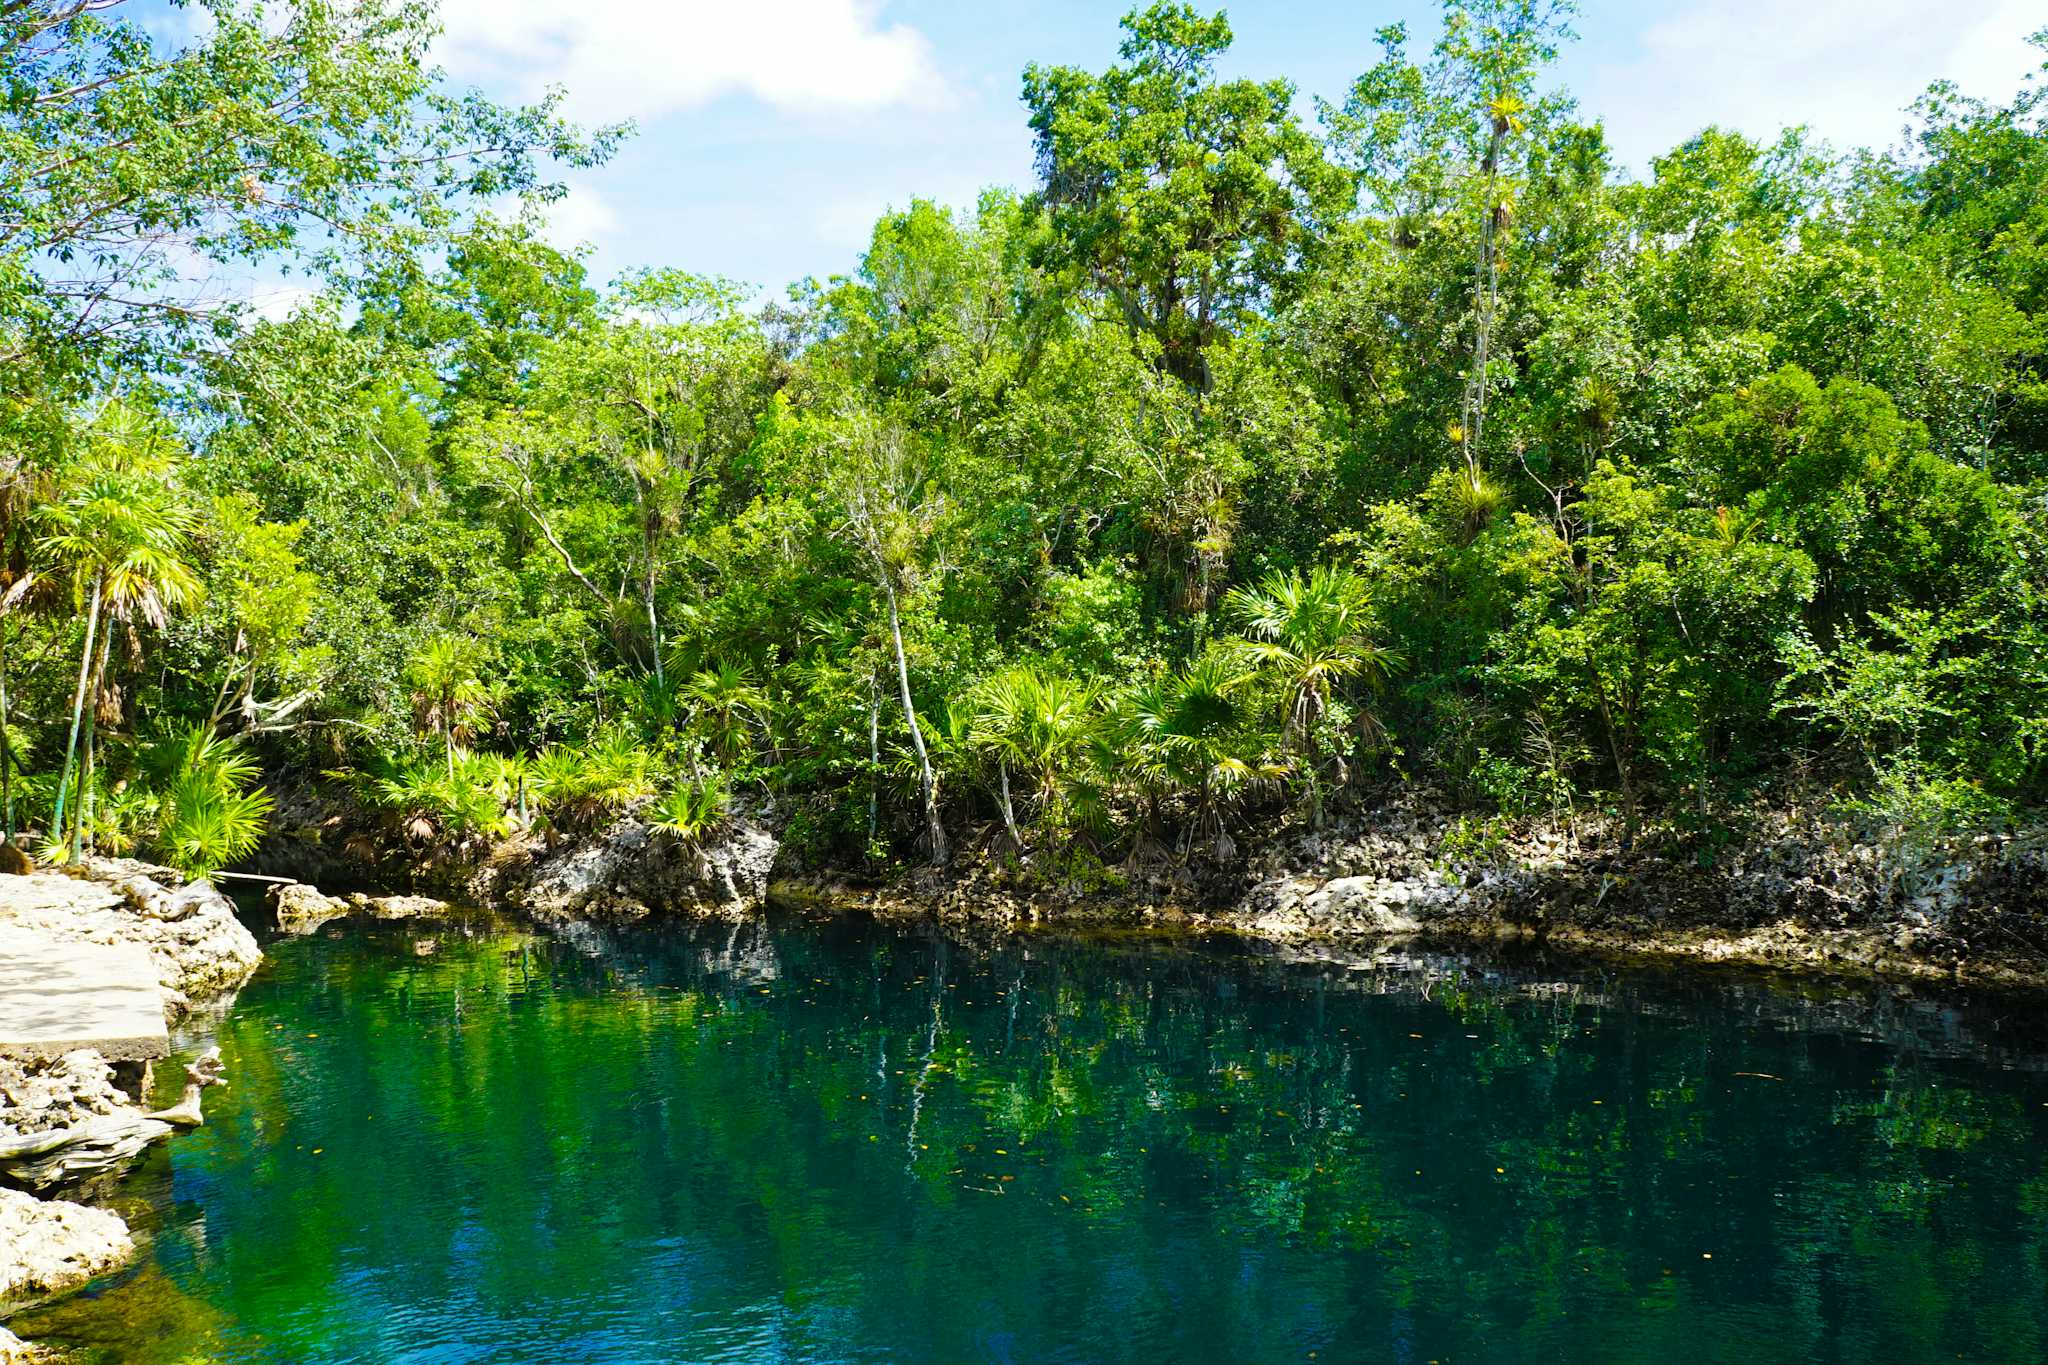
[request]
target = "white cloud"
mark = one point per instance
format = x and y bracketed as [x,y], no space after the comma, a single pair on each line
[645,58]
[275,303]
[1847,68]
[581,217]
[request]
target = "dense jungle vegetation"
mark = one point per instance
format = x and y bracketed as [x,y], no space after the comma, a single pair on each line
[1259,457]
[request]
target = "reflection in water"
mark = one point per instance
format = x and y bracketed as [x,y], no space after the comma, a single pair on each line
[844,1142]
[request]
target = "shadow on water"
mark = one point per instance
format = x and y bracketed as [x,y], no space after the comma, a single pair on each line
[836,1140]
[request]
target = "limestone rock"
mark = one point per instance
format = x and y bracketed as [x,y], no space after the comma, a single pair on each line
[301,909]
[42,1096]
[631,869]
[202,949]
[97,1147]
[398,907]
[50,1246]
[1364,906]
[15,1351]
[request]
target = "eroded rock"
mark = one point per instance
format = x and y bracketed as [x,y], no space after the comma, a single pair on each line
[43,1096]
[51,1246]
[202,950]
[631,870]
[301,909]
[15,1351]
[399,907]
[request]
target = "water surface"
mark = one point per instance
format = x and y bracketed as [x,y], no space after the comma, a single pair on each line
[844,1142]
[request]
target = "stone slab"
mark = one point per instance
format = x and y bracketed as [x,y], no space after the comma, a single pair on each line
[57,995]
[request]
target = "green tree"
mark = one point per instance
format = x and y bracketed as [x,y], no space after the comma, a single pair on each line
[303,125]
[119,533]
[1309,635]
[1187,201]
[448,694]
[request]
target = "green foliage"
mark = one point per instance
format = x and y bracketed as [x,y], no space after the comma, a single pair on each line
[1188,201]
[1229,468]
[278,126]
[210,814]
[578,786]
[691,808]
[728,710]
[1043,727]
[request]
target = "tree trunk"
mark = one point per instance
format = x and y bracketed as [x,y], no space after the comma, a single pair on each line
[1009,812]
[92,621]
[874,756]
[928,782]
[83,815]
[1483,306]
[654,633]
[6,744]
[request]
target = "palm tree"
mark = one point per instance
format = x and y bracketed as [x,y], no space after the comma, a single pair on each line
[1308,636]
[1043,724]
[122,536]
[211,813]
[447,695]
[1190,733]
[726,704]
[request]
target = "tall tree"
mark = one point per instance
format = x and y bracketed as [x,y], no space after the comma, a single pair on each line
[1188,201]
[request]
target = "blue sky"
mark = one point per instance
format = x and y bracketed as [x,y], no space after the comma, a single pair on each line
[772,132]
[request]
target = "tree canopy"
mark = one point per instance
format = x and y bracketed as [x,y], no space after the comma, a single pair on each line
[1243,466]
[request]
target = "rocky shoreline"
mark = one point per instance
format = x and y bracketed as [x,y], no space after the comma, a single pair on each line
[1798,892]
[1795,888]
[70,1120]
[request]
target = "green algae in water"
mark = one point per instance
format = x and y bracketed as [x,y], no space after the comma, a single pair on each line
[841,1142]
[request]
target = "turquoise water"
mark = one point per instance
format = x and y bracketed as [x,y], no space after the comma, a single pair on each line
[843,1142]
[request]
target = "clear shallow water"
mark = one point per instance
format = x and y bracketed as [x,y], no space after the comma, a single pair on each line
[827,1142]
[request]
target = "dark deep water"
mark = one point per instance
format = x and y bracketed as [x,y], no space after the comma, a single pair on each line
[838,1141]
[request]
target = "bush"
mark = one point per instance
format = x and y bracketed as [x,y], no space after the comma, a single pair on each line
[578,786]
[692,807]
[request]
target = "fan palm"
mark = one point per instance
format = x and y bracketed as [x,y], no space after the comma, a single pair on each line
[1042,724]
[691,807]
[1190,734]
[1308,636]
[448,696]
[209,815]
[726,706]
[579,785]
[122,537]
[457,805]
